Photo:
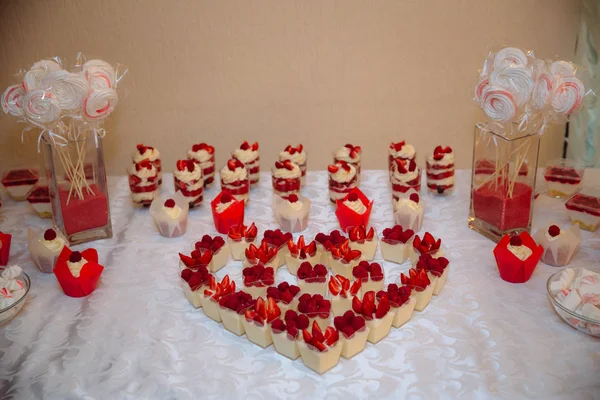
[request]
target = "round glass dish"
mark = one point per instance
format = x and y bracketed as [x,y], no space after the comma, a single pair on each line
[8,313]
[577,321]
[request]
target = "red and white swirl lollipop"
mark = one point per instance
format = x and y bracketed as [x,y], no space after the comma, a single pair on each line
[99,103]
[100,74]
[70,89]
[562,69]
[499,104]
[510,56]
[516,79]
[41,107]
[12,100]
[567,95]
[541,91]
[35,76]
[480,88]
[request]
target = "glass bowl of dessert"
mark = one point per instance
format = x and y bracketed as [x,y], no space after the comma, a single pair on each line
[574,295]
[12,301]
[563,177]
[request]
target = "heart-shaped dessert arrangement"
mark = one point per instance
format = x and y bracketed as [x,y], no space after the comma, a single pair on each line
[339,301]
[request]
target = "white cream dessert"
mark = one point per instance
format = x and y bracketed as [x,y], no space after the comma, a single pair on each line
[363,240]
[357,206]
[291,212]
[350,154]
[377,313]
[341,292]
[343,178]
[440,170]
[297,155]
[559,245]
[204,155]
[320,351]
[286,178]
[396,244]
[170,215]
[409,212]
[249,156]
[522,252]
[584,209]
[353,333]
[189,181]
[76,263]
[143,182]
[235,179]
[257,319]
[44,248]
[401,150]
[149,153]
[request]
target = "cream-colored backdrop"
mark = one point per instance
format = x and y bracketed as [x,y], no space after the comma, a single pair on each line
[319,72]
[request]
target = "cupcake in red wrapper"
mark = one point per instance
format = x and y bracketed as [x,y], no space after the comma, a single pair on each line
[149,153]
[342,179]
[227,211]
[5,239]
[517,257]
[234,179]
[296,155]
[204,155]
[353,210]
[189,181]
[286,178]
[143,182]
[78,273]
[248,154]
[406,178]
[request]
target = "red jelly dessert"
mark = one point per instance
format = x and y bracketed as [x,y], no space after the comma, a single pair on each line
[584,209]
[492,205]
[19,182]
[39,198]
[80,215]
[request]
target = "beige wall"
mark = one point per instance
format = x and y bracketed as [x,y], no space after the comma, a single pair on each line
[317,71]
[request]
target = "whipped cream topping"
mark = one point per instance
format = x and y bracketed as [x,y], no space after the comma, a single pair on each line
[343,154]
[12,272]
[172,212]
[448,159]
[357,206]
[76,267]
[521,252]
[341,175]
[408,203]
[297,205]
[201,156]
[150,154]
[298,158]
[239,174]
[11,288]
[187,176]
[553,238]
[405,177]
[406,152]
[223,206]
[283,173]
[245,156]
[54,245]
[144,174]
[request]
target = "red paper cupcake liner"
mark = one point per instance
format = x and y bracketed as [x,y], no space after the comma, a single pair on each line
[510,267]
[347,217]
[5,239]
[88,278]
[233,215]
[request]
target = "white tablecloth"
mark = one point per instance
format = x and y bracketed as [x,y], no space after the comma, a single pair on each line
[137,336]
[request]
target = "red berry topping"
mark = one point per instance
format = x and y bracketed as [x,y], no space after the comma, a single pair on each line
[292,198]
[226,197]
[553,231]
[49,234]
[75,257]
[314,305]
[396,235]
[416,278]
[170,203]
[434,265]
[414,197]
[352,197]
[516,241]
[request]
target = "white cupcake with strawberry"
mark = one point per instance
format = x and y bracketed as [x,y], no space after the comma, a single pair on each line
[409,212]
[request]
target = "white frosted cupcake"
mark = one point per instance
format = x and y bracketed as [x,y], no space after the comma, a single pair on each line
[292,212]
[45,247]
[170,215]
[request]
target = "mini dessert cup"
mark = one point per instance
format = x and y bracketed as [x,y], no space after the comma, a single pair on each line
[296,155]
[312,280]
[257,321]
[402,151]
[409,212]
[194,282]
[248,154]
[257,279]
[320,351]
[149,153]
[563,177]
[404,312]
[197,259]
[170,215]
[188,180]
[263,254]
[350,154]
[5,239]
[402,302]
[396,244]
[343,260]
[227,211]
[292,212]
[370,275]
[209,298]
[584,209]
[39,198]
[406,179]
[83,284]
[341,292]
[440,170]
[204,155]
[517,257]
[380,328]
[427,245]
[234,179]
[353,210]
[354,333]
[316,308]
[422,287]
[300,253]
[559,244]
[232,309]
[278,240]
[286,178]
[325,242]
[342,179]
[219,249]
[240,238]
[19,182]
[363,240]
[437,270]
[285,295]
[284,343]
[143,182]
[377,314]
[45,247]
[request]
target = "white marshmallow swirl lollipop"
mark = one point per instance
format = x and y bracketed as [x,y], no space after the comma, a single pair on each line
[70,89]
[510,56]
[100,74]
[38,71]
[567,95]
[517,80]
[499,104]
[99,103]
[563,69]
[541,91]
[41,106]
[12,100]
[480,88]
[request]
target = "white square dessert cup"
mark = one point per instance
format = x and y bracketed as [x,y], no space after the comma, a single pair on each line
[409,218]
[313,287]
[371,285]
[270,263]
[232,321]
[256,291]
[210,307]
[284,344]
[560,250]
[293,263]
[43,257]
[440,280]
[320,361]
[220,259]
[279,259]
[238,248]
[368,248]
[293,305]
[403,313]
[423,295]
[380,327]
[341,304]
[355,343]
[258,334]
[414,257]
[193,296]
[339,267]
[315,317]
[396,252]
[167,226]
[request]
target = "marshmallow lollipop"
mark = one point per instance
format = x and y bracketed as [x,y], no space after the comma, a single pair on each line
[69,89]
[567,95]
[499,104]
[516,79]
[562,69]
[100,74]
[510,56]
[12,100]
[38,71]
[41,106]
[99,103]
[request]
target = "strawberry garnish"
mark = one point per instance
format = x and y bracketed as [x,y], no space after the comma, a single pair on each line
[554,230]
[383,307]
[251,233]
[434,265]
[352,197]
[273,311]
[75,257]
[258,275]
[198,258]
[397,146]
[314,305]
[396,235]
[416,278]
[333,168]
[516,241]
[263,253]
[414,197]
[245,146]
[427,245]
[169,203]
[254,146]
[292,198]
[142,149]
[50,234]
[203,146]
[344,253]
[226,197]
[277,238]
[146,164]
[335,286]
[359,234]
[232,164]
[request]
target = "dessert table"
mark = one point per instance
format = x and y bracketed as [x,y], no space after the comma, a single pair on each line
[137,336]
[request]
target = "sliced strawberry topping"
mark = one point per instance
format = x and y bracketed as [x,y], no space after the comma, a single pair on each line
[333,168]
[397,146]
[146,164]
[198,258]
[273,311]
[319,341]
[169,203]
[359,234]
[262,254]
[416,278]
[203,146]
[49,234]
[427,245]
[343,253]
[554,230]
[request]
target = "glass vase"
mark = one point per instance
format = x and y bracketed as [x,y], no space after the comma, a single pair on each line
[77,184]
[505,163]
